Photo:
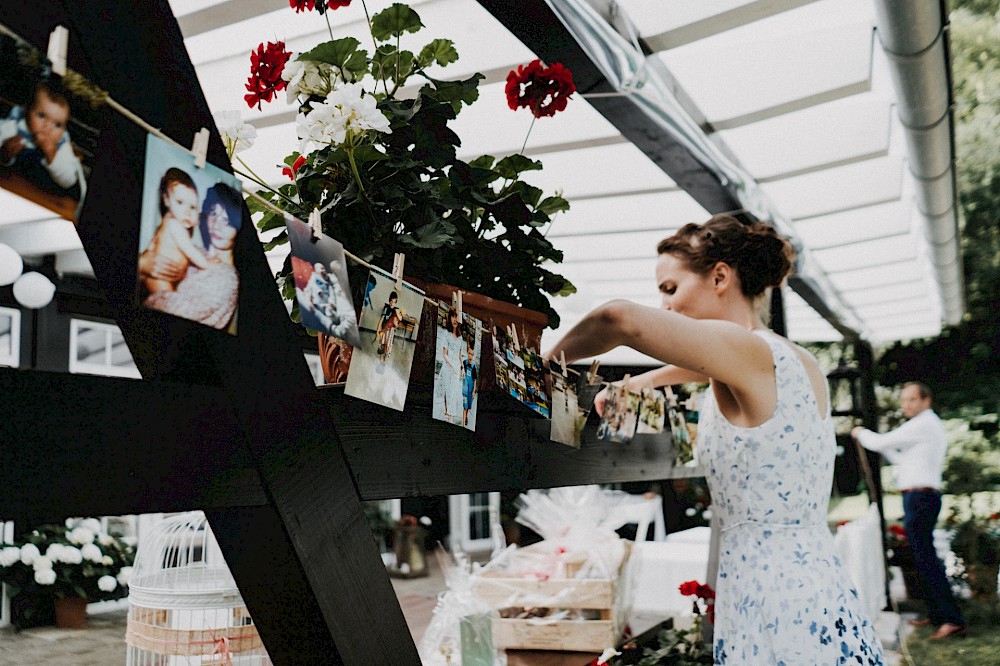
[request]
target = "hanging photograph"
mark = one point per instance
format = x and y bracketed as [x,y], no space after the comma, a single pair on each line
[389,322]
[187,237]
[587,388]
[319,268]
[48,129]
[521,372]
[618,422]
[456,367]
[567,417]
[652,411]
[683,440]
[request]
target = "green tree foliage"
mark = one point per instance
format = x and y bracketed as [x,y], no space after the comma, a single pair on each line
[963,363]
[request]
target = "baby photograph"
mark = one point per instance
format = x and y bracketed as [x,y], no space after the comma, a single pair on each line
[187,236]
[48,132]
[319,268]
[652,411]
[388,327]
[456,366]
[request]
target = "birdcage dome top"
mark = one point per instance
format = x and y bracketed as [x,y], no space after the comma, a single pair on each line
[179,565]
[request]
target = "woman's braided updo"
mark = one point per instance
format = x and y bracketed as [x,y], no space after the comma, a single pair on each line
[759,255]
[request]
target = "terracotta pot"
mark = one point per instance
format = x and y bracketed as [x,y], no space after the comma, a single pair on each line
[71,612]
[983,580]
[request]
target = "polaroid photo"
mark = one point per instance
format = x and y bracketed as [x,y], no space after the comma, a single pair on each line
[48,129]
[388,325]
[567,417]
[322,291]
[191,218]
[652,411]
[621,410]
[458,347]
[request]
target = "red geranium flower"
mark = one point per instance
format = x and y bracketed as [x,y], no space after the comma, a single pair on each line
[705,592]
[898,531]
[266,65]
[294,169]
[689,588]
[319,5]
[545,90]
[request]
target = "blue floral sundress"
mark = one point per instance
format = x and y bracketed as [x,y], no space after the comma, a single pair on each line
[782,596]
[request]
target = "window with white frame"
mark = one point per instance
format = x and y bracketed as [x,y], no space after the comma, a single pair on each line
[96,348]
[10,337]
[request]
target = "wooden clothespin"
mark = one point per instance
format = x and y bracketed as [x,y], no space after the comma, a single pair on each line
[315,224]
[397,269]
[200,148]
[562,362]
[592,373]
[512,332]
[58,49]
[456,302]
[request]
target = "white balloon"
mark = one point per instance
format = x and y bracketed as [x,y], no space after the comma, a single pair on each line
[34,290]
[11,265]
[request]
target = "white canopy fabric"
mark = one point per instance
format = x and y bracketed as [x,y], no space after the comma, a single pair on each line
[798,94]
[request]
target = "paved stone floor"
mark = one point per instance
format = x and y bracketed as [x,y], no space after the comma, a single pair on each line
[102,641]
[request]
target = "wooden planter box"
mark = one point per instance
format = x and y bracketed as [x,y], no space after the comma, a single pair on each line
[501,590]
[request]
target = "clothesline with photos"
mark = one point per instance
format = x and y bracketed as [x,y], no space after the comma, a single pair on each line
[378,374]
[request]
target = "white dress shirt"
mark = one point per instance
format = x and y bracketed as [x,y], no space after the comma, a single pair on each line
[915,449]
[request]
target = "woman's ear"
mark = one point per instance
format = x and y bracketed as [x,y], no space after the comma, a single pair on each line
[722,276]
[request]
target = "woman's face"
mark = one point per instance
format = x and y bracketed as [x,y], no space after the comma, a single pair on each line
[222,235]
[182,203]
[682,290]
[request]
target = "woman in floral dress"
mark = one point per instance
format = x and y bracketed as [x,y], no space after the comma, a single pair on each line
[766,441]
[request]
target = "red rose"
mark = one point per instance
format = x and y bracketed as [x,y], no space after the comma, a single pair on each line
[294,169]
[689,588]
[545,90]
[266,65]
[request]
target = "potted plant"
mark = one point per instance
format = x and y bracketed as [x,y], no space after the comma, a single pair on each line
[67,566]
[975,541]
[379,161]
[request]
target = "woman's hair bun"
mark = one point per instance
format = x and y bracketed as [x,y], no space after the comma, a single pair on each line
[760,256]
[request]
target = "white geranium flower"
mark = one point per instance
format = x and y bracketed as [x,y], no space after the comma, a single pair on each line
[236,134]
[81,535]
[70,555]
[41,563]
[124,576]
[107,560]
[107,583]
[346,109]
[54,552]
[105,539]
[92,553]
[29,552]
[45,576]
[607,654]
[307,77]
[9,556]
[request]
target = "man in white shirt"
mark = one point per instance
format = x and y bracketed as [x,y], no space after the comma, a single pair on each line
[916,450]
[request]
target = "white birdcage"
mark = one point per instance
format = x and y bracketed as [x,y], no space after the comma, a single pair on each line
[184,606]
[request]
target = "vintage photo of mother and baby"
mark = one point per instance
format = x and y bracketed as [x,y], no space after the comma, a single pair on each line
[190,220]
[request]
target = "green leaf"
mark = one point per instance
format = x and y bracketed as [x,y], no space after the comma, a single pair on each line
[455,93]
[512,165]
[388,63]
[341,53]
[440,51]
[483,162]
[271,220]
[432,235]
[280,239]
[394,21]
[552,205]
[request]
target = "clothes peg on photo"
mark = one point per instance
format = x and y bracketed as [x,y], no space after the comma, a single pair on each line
[592,373]
[562,363]
[456,302]
[199,147]
[315,225]
[398,262]
[625,382]
[58,49]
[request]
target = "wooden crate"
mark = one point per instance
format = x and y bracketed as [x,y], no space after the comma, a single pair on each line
[501,590]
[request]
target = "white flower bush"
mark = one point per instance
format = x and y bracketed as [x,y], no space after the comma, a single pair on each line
[306,77]
[82,535]
[236,134]
[29,552]
[107,583]
[347,112]
[45,577]
[92,553]
[9,555]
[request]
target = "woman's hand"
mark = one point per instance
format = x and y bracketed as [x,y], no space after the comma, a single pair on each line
[155,266]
